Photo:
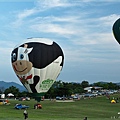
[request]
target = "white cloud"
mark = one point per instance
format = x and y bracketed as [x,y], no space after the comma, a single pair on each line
[26,13]
[22,15]
[94,30]
[109,20]
[6,49]
[91,54]
[53,28]
[80,29]
[47,4]
[76,27]
[79,26]
[40,6]
[98,1]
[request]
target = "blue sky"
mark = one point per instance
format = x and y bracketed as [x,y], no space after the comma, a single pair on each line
[83,29]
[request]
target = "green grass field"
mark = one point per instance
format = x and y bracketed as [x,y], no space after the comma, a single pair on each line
[98,108]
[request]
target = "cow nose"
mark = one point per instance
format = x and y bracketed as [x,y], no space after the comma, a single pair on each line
[20,63]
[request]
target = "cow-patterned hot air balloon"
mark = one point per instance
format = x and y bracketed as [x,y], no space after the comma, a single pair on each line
[37,63]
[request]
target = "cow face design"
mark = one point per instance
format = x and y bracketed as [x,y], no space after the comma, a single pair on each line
[20,60]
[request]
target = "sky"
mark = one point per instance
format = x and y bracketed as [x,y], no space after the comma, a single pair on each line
[82,28]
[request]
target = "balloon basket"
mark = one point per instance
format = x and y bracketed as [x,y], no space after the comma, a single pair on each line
[37,96]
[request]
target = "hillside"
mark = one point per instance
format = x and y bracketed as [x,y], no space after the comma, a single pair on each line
[109,82]
[6,85]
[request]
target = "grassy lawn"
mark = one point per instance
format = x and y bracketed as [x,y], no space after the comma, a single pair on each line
[95,109]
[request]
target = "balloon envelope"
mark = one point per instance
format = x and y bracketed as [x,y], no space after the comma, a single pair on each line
[37,63]
[116,30]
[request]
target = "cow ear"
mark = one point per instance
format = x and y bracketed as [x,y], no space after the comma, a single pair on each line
[29,49]
[25,45]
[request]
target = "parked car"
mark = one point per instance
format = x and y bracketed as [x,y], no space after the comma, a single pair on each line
[27,98]
[75,97]
[22,99]
[20,106]
[58,98]
[89,95]
[70,98]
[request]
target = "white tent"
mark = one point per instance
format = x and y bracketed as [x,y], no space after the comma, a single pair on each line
[2,95]
[88,89]
[10,95]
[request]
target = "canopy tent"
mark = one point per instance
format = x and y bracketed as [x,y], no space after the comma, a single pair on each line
[10,95]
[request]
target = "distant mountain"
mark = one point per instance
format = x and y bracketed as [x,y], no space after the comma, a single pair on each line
[6,85]
[118,83]
[108,82]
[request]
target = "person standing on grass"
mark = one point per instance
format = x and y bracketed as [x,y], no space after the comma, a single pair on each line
[25,114]
[85,118]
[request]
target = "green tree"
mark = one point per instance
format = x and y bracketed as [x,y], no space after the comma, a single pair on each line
[99,84]
[12,90]
[23,94]
[85,84]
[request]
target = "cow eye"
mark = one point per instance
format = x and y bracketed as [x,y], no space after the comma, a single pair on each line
[21,56]
[14,57]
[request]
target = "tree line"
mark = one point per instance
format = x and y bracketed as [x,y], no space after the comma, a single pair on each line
[60,88]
